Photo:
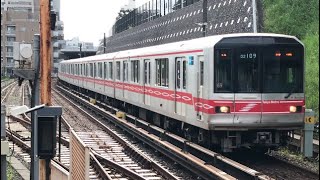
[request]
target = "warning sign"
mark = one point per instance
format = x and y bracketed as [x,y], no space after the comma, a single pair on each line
[309,120]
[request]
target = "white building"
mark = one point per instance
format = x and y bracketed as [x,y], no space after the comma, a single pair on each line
[130,6]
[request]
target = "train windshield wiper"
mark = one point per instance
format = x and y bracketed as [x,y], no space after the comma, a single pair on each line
[290,93]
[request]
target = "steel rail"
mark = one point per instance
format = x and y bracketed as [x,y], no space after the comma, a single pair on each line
[128,147]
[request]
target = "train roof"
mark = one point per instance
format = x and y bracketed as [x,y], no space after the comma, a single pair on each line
[188,45]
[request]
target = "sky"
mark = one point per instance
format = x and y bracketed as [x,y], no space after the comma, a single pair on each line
[89,19]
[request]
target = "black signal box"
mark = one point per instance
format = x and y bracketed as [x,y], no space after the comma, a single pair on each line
[47,131]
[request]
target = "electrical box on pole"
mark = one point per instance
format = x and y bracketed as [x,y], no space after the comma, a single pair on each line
[47,130]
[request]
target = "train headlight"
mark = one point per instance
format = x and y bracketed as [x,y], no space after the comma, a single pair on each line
[293,109]
[222,109]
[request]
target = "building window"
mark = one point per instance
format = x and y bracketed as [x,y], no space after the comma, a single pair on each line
[162,72]
[11,39]
[11,29]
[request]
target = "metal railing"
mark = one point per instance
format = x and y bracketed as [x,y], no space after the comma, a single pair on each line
[148,12]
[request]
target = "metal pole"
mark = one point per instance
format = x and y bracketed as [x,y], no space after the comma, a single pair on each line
[46,51]
[60,139]
[3,137]
[104,43]
[254,15]
[205,17]
[34,102]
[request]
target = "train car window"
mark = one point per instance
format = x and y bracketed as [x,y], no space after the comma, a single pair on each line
[125,71]
[95,70]
[100,69]
[178,76]
[184,74]
[91,69]
[105,70]
[222,71]
[135,70]
[283,70]
[149,79]
[201,73]
[85,70]
[162,71]
[110,70]
[147,71]
[247,71]
[118,70]
[81,69]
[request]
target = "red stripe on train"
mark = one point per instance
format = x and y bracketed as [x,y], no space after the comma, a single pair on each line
[200,104]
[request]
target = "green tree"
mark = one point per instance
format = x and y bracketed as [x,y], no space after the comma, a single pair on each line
[301,19]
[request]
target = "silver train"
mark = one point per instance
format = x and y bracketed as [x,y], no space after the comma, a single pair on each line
[225,91]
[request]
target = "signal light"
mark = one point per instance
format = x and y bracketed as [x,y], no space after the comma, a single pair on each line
[278,54]
[289,54]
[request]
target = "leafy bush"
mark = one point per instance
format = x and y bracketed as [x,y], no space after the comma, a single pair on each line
[311,43]
[300,19]
[292,17]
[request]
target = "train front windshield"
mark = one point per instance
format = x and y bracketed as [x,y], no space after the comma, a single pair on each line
[258,65]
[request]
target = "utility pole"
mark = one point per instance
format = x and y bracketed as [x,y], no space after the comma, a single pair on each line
[104,43]
[205,17]
[34,102]
[45,60]
[80,45]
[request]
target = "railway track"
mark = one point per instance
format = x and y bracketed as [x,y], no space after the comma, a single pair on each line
[6,90]
[110,151]
[212,158]
[274,167]
[201,161]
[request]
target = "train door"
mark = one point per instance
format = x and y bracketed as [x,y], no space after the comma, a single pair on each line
[117,80]
[247,86]
[147,79]
[200,80]
[180,85]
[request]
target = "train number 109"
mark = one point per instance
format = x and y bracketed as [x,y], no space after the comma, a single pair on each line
[248,56]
